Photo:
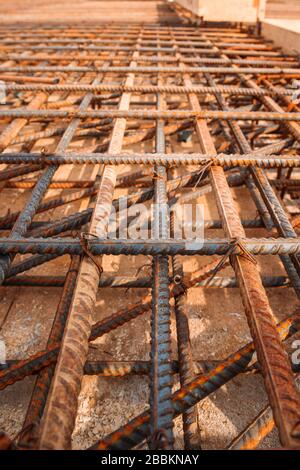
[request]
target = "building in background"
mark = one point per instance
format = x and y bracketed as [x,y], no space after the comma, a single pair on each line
[243,10]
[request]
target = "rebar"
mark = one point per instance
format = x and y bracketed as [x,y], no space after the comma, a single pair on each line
[217,100]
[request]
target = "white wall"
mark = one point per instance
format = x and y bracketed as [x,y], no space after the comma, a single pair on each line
[226,10]
[284,33]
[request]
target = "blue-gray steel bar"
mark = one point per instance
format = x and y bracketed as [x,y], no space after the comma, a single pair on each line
[216,246]
[143,282]
[161,379]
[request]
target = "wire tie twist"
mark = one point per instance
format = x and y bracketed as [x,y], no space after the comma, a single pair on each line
[202,171]
[84,242]
[158,177]
[160,439]
[143,266]
[233,244]
[45,153]
[73,114]
[123,88]
[182,286]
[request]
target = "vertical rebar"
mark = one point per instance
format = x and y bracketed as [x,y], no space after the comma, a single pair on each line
[161,371]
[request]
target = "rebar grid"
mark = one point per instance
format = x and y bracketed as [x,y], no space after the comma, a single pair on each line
[89,97]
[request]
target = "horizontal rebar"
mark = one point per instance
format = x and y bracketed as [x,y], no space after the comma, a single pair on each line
[133,282]
[145,58]
[151,114]
[170,159]
[169,70]
[152,89]
[255,246]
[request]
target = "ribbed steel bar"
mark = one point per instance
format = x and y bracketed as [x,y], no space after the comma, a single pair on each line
[43,381]
[144,282]
[152,114]
[152,89]
[285,183]
[145,58]
[125,368]
[101,246]
[138,69]
[191,431]
[161,375]
[28,264]
[19,171]
[121,368]
[30,184]
[155,41]
[171,159]
[190,50]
